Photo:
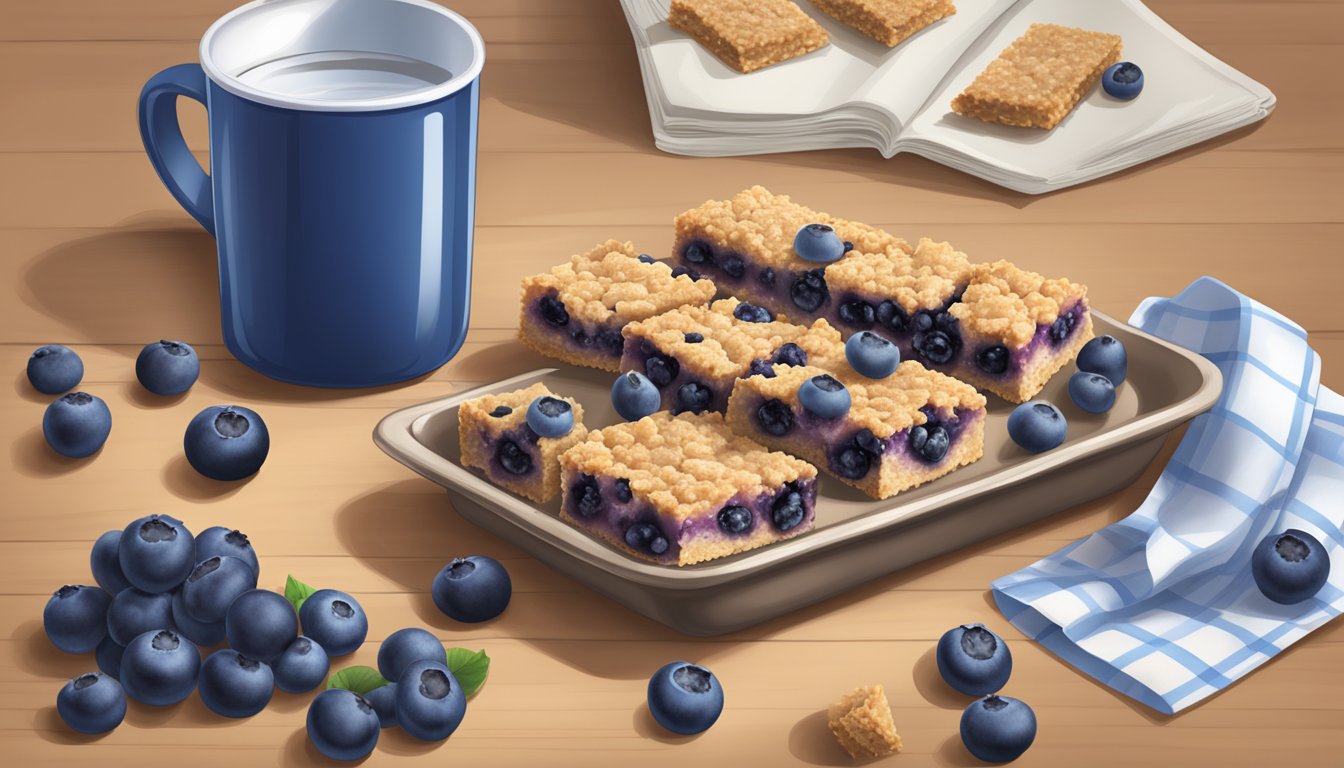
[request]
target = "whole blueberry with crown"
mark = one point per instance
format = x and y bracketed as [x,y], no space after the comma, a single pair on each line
[1290,567]
[167,367]
[77,424]
[973,660]
[54,369]
[998,729]
[472,589]
[227,442]
[685,698]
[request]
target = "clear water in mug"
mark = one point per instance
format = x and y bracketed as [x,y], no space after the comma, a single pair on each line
[344,75]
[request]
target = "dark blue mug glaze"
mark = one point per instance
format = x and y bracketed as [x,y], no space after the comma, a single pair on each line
[343,225]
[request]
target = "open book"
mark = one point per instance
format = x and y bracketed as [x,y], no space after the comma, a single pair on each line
[856,92]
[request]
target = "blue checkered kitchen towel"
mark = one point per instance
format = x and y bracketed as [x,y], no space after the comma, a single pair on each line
[1161,606]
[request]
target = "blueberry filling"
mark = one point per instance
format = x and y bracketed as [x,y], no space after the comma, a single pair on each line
[623,493]
[694,338]
[857,312]
[848,246]
[788,510]
[513,459]
[809,290]
[930,441]
[761,367]
[612,340]
[679,270]
[692,396]
[993,359]
[647,259]
[553,311]
[1062,327]
[936,339]
[775,417]
[855,458]
[790,354]
[734,519]
[586,497]
[661,370]
[501,411]
[582,339]
[698,253]
[647,537]
[767,277]
[732,265]
[750,313]
[892,316]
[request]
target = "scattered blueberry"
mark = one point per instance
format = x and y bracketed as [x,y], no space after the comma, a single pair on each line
[857,312]
[108,656]
[218,541]
[698,253]
[809,290]
[892,316]
[694,338]
[622,489]
[693,397]
[586,496]
[1123,81]
[167,367]
[871,355]
[335,620]
[512,458]
[429,702]
[383,699]
[647,259]
[75,618]
[775,417]
[134,612]
[930,441]
[646,537]
[160,667]
[233,685]
[342,725]
[501,411]
[750,313]
[156,553]
[824,396]
[661,369]
[202,633]
[260,624]
[734,518]
[302,667]
[634,396]
[76,424]
[1037,426]
[1105,355]
[998,729]
[553,311]
[685,698]
[818,242]
[1062,327]
[550,416]
[790,354]
[1091,392]
[92,703]
[405,647]
[788,510]
[733,265]
[105,565]
[54,369]
[227,442]
[1290,567]
[974,660]
[472,589]
[213,584]
[992,360]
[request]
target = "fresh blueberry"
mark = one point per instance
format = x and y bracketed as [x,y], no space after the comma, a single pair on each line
[513,459]
[501,411]
[992,360]
[1091,392]
[622,489]
[871,355]
[1105,355]
[788,510]
[160,667]
[693,397]
[108,656]
[775,417]
[472,589]
[973,660]
[646,537]
[156,553]
[824,396]
[1037,426]
[260,624]
[685,698]
[1062,327]
[734,518]
[694,338]
[218,541]
[213,584]
[790,354]
[767,277]
[76,424]
[429,701]
[892,316]
[857,312]
[750,313]
[550,416]
[75,618]
[634,396]
[698,253]
[809,290]
[227,442]
[818,242]
[930,441]
[233,685]
[342,725]
[202,633]
[92,703]
[586,496]
[647,259]
[661,369]
[1123,81]
[302,667]
[733,265]
[335,620]
[938,347]
[54,369]
[405,647]
[167,367]
[383,699]
[998,729]
[134,612]
[105,565]
[553,311]
[1290,567]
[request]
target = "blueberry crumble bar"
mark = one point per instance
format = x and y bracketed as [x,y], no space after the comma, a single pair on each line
[748,34]
[576,311]
[887,21]
[684,489]
[862,723]
[496,439]
[890,434]
[694,354]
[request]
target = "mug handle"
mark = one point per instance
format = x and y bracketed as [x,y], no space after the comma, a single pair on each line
[162,135]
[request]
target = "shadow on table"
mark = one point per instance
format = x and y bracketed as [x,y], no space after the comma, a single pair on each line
[811,741]
[32,457]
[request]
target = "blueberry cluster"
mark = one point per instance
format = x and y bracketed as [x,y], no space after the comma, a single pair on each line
[937,338]
[855,457]
[1102,367]
[974,661]
[787,354]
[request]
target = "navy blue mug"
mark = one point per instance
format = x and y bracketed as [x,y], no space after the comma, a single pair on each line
[342,181]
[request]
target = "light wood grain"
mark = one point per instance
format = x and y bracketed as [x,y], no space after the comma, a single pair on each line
[95,253]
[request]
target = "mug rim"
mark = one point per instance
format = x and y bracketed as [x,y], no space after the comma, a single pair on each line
[414,98]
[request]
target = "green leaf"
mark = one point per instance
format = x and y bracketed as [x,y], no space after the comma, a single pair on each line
[361,680]
[469,667]
[296,592]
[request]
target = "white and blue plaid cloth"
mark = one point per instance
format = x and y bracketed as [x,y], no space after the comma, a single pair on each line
[1161,606]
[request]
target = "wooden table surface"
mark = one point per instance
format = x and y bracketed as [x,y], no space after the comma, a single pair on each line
[94,253]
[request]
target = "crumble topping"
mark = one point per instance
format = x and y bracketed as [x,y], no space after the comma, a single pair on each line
[477,411]
[748,34]
[924,279]
[863,724]
[1008,302]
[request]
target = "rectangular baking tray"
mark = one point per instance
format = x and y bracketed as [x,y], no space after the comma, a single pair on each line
[855,538]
